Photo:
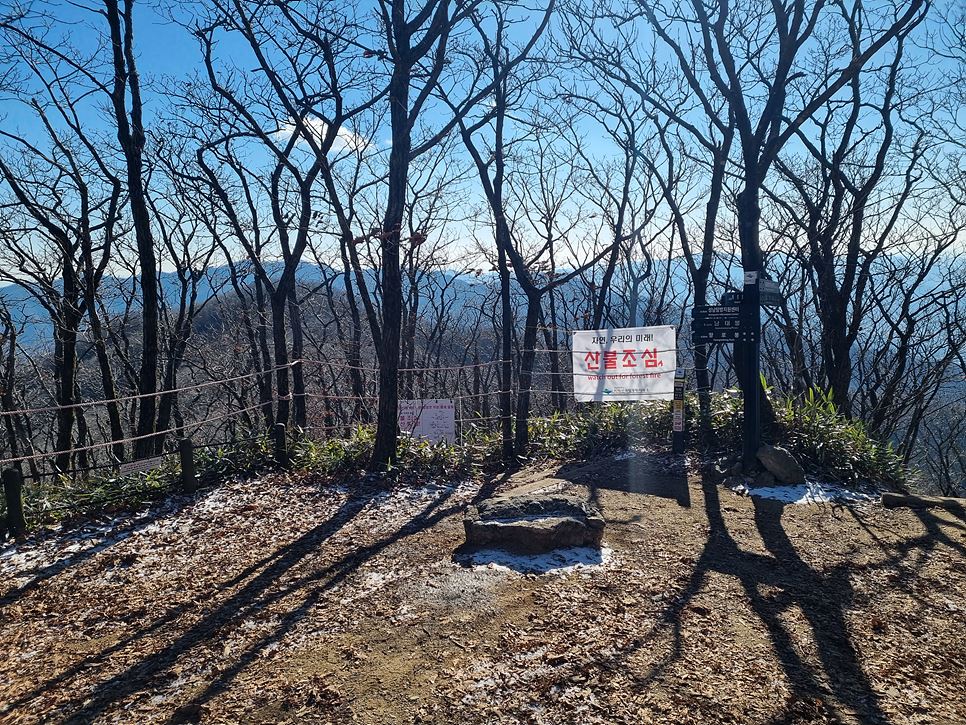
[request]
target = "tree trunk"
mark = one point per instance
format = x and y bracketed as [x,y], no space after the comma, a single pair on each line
[387,422]
[130,135]
[354,354]
[702,376]
[298,377]
[265,394]
[748,355]
[550,338]
[65,360]
[108,385]
[506,365]
[279,339]
[522,440]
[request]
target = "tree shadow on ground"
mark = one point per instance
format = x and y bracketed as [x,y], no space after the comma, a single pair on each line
[640,474]
[492,485]
[81,533]
[823,597]
[834,683]
[907,557]
[271,566]
[269,586]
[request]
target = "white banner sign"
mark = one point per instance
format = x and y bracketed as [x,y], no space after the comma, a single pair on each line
[630,363]
[434,420]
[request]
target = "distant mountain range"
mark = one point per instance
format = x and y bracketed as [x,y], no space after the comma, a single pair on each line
[29,312]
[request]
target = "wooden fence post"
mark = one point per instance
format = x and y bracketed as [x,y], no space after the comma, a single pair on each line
[13,492]
[186,451]
[281,446]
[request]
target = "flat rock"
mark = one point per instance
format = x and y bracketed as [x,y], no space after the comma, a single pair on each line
[533,523]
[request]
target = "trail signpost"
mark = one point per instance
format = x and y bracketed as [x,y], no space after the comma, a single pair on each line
[677,412]
[721,323]
[768,293]
[749,352]
[737,320]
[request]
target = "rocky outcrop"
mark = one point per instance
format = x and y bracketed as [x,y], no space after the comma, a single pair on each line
[782,465]
[533,523]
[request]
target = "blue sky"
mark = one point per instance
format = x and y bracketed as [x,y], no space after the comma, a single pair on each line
[166,50]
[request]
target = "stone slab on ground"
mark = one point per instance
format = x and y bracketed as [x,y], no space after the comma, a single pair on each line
[892,500]
[533,523]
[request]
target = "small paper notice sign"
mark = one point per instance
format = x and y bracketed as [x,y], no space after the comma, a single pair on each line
[432,419]
[141,466]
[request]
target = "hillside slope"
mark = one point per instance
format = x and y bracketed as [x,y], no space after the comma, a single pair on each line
[287,600]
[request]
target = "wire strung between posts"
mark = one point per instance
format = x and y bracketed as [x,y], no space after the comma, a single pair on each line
[324,396]
[340,365]
[160,393]
[374,369]
[70,471]
[132,439]
[233,441]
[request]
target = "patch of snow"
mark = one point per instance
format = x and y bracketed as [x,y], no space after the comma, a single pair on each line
[448,586]
[810,492]
[560,561]
[372,581]
[625,456]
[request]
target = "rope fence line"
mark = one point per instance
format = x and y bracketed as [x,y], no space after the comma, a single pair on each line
[294,363]
[469,366]
[28,411]
[160,393]
[132,439]
[339,411]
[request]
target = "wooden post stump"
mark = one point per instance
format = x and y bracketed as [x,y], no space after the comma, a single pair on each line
[281,446]
[13,492]
[189,479]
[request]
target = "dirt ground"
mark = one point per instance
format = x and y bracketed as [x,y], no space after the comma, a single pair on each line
[287,600]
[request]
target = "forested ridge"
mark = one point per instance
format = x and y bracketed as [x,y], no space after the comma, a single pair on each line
[327,207]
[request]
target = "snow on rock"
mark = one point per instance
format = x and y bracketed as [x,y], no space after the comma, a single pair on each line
[559,561]
[810,492]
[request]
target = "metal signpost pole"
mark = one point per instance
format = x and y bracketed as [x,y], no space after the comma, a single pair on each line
[677,413]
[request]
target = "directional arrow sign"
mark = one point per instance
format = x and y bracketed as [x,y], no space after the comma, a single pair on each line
[768,292]
[702,337]
[768,299]
[716,323]
[708,311]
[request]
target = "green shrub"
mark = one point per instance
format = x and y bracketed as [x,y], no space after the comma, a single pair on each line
[829,443]
[726,418]
[350,455]
[825,442]
[597,429]
[60,497]
[57,498]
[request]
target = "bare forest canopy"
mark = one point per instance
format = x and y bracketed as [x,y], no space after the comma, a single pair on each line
[322,207]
